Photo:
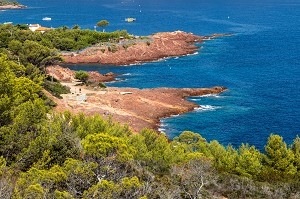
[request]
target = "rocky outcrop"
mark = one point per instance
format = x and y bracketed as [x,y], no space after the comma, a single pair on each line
[139,108]
[157,46]
[68,75]
[7,7]
[61,73]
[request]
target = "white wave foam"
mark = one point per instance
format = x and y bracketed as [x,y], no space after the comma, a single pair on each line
[161,130]
[198,98]
[196,53]
[135,64]
[195,99]
[212,96]
[117,80]
[159,60]
[207,108]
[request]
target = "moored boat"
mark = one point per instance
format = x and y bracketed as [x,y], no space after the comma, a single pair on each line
[47,19]
[130,19]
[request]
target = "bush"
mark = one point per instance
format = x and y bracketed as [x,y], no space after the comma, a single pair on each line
[114,48]
[82,75]
[102,85]
[55,88]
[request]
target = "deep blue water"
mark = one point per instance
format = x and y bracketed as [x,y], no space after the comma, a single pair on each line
[259,64]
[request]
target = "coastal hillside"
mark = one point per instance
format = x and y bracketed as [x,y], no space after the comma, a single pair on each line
[6,4]
[47,154]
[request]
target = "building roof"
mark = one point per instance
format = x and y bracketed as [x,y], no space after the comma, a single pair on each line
[43,29]
[34,25]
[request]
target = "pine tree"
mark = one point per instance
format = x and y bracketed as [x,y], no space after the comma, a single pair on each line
[278,160]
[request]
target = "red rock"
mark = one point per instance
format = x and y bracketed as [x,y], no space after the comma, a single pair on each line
[68,75]
[139,108]
[162,45]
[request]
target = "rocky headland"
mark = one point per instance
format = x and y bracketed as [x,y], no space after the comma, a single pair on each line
[139,108]
[155,47]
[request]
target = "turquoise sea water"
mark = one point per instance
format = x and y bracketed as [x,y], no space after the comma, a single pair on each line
[260,64]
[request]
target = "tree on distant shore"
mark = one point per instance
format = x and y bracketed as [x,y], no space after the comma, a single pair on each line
[7,2]
[102,23]
[76,27]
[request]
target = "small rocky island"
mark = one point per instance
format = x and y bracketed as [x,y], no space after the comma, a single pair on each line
[6,4]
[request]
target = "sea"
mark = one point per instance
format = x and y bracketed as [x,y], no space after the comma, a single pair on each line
[259,64]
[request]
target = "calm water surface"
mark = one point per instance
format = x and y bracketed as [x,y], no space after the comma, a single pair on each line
[259,64]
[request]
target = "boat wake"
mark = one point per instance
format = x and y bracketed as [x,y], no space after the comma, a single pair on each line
[127,74]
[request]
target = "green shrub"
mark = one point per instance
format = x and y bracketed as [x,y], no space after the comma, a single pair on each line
[55,88]
[102,85]
[114,48]
[82,75]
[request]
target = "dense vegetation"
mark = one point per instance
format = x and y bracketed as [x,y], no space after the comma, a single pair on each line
[61,38]
[35,50]
[44,154]
[7,2]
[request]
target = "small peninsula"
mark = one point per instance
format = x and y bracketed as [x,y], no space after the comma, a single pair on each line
[139,108]
[5,4]
[135,51]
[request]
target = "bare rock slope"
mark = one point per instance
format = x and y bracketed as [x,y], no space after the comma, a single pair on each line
[159,45]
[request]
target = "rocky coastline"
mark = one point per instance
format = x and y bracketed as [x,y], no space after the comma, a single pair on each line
[157,46]
[139,108]
[67,75]
[8,7]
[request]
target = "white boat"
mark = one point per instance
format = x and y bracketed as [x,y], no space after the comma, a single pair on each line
[47,19]
[130,19]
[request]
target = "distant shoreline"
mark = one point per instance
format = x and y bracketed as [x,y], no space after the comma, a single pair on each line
[10,7]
